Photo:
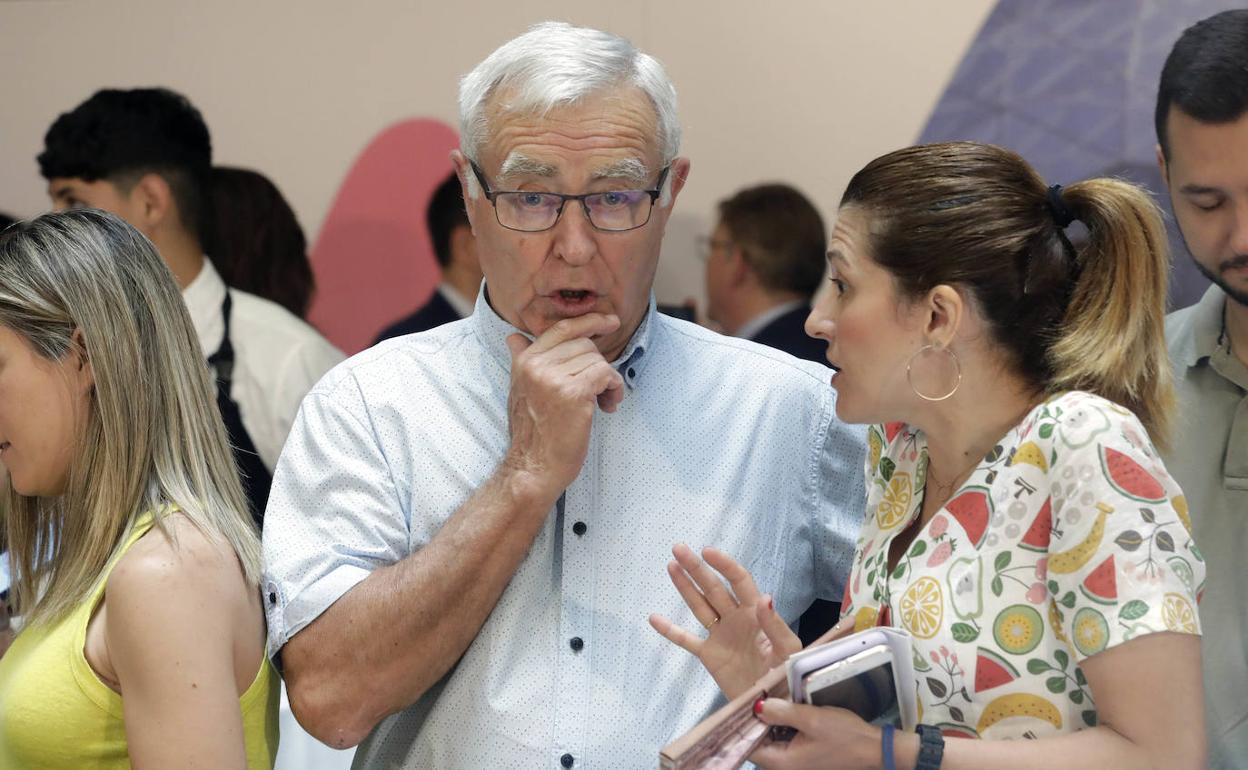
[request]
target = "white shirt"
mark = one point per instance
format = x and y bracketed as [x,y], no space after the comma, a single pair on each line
[277,357]
[718,441]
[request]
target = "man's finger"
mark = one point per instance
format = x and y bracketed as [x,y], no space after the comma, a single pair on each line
[517,344]
[602,378]
[738,577]
[589,325]
[610,399]
[675,634]
[579,363]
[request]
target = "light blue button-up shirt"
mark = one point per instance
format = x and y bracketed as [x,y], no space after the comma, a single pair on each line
[718,441]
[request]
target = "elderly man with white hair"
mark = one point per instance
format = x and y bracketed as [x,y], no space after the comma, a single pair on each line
[468,526]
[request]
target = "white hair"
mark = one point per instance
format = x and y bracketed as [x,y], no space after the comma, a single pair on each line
[556,64]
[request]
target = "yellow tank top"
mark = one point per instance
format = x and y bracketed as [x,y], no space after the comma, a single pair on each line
[56,714]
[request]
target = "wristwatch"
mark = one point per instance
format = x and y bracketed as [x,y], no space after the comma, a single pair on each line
[931,747]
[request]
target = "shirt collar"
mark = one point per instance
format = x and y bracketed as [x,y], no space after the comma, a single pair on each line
[492,332]
[203,297]
[750,329]
[1206,328]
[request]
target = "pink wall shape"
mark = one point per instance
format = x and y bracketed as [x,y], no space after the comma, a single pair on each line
[372,259]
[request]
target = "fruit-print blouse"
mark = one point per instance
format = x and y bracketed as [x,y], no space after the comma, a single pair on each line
[1069,538]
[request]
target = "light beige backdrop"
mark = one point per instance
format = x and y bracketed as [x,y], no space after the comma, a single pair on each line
[805,91]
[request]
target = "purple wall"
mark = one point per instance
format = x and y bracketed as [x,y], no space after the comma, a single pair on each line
[1071,86]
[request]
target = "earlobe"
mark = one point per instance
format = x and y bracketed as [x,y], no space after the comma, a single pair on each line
[1162,166]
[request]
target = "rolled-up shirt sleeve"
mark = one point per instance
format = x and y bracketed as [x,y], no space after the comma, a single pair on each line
[334,514]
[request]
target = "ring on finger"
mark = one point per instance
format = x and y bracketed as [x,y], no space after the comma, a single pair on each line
[713,622]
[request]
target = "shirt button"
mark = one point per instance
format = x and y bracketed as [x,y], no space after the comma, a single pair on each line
[567,760]
[576,643]
[632,372]
[579,528]
[272,597]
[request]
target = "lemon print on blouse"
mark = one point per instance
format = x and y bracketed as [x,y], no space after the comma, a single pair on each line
[1178,615]
[1018,629]
[1091,631]
[922,608]
[866,617]
[896,503]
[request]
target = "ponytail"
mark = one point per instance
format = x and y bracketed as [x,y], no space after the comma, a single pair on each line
[1112,339]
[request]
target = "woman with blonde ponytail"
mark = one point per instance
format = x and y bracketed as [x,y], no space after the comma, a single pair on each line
[1005,340]
[135,562]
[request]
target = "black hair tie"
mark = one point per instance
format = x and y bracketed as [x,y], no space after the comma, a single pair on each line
[1061,214]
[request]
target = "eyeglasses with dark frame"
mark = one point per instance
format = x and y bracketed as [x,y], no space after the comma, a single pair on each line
[611,211]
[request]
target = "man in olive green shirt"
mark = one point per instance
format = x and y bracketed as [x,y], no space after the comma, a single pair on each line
[1202,132]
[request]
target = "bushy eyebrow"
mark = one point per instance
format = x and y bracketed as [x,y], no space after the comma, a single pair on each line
[628,169]
[518,164]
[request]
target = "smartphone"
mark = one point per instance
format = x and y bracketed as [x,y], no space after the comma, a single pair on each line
[863,683]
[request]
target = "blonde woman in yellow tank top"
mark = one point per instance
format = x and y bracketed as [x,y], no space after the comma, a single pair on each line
[135,560]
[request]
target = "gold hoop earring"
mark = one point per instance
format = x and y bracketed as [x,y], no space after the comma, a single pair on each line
[957,368]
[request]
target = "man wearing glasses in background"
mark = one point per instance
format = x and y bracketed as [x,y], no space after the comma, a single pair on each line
[468,526]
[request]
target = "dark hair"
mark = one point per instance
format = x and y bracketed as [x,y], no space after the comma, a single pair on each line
[121,135]
[979,217]
[1206,73]
[6,220]
[445,213]
[780,234]
[255,240]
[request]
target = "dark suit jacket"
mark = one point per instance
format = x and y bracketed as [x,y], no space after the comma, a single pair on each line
[437,311]
[788,333]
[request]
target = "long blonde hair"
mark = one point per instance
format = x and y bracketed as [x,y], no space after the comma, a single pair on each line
[1089,316]
[153,435]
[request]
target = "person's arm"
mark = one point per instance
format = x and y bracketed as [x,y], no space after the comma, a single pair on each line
[1149,702]
[393,635]
[170,630]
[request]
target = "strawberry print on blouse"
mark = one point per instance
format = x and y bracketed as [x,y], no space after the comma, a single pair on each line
[1069,538]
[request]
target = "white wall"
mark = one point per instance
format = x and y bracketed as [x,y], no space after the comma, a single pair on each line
[804,92]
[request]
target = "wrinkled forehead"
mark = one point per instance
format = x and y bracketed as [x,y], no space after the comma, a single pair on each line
[617,121]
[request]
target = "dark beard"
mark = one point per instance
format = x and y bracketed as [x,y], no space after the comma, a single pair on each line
[1238,296]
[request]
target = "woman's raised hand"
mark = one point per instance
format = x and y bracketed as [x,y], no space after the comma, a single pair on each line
[745,636]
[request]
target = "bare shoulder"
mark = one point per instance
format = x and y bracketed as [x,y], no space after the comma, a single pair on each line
[176,565]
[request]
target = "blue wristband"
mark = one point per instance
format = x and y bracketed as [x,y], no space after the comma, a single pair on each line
[886,747]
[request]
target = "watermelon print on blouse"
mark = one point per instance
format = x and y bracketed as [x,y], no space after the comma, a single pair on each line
[1067,539]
